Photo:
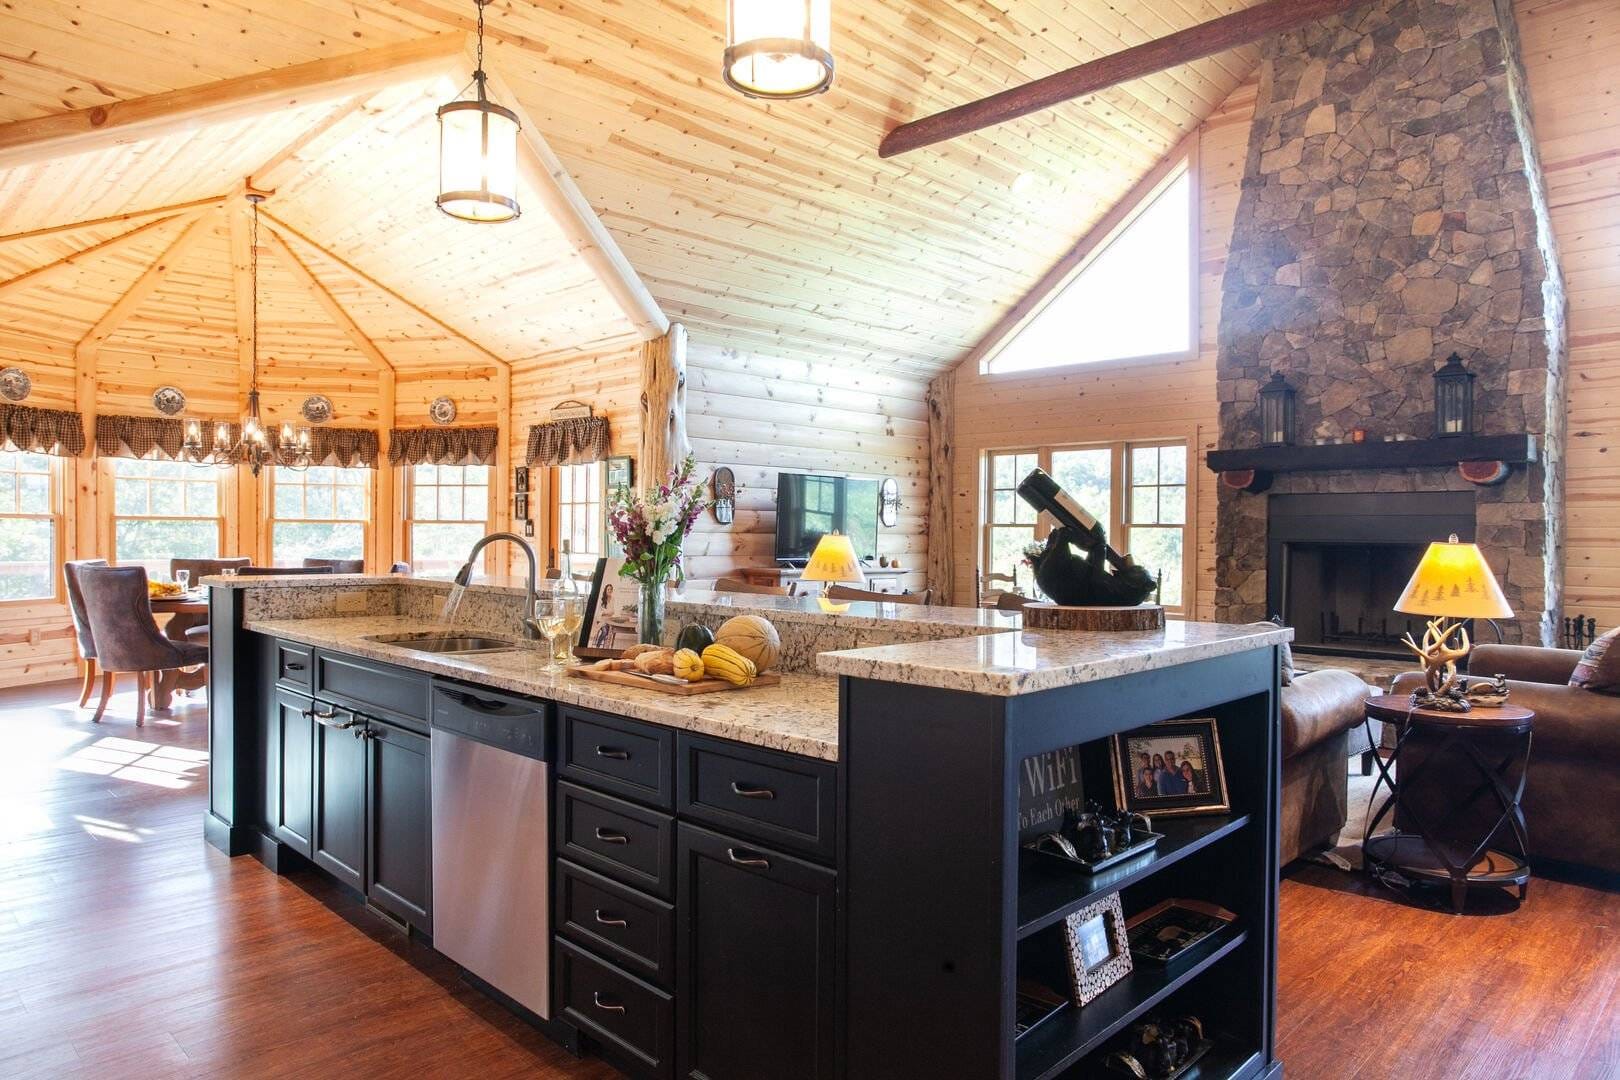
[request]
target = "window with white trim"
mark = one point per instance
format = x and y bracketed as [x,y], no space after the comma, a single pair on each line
[318,513]
[165,510]
[447,507]
[30,525]
[577,514]
[1134,296]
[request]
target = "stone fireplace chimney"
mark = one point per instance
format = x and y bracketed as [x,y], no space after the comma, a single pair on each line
[1393,212]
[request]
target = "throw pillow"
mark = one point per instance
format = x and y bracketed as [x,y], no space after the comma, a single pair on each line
[1287,662]
[1599,669]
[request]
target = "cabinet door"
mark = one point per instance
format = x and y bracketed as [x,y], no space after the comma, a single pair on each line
[755,961]
[398,878]
[340,795]
[293,790]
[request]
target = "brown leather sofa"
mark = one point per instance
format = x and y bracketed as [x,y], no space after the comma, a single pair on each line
[1319,711]
[1574,782]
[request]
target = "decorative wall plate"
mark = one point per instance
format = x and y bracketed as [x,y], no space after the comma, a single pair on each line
[15,384]
[317,409]
[725,495]
[169,401]
[443,410]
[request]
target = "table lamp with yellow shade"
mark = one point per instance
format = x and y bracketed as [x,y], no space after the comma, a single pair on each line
[1453,583]
[834,560]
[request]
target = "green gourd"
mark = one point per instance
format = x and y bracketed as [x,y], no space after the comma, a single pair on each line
[696,637]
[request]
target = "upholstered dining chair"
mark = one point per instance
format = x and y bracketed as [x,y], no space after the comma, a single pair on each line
[127,636]
[400,568]
[81,623]
[339,566]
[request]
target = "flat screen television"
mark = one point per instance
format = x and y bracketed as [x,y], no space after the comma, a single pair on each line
[808,507]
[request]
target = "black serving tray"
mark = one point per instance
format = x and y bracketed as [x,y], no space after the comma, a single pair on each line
[1148,842]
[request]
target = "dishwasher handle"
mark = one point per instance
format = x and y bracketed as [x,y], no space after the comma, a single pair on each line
[506,723]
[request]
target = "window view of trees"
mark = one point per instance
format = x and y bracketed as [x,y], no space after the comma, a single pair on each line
[164,510]
[318,513]
[28,527]
[579,512]
[448,506]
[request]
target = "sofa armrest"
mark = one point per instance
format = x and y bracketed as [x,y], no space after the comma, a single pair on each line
[1319,705]
[1523,663]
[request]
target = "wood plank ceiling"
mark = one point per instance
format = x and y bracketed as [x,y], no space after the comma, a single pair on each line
[765,227]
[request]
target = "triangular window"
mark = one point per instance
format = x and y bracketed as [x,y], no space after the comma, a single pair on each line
[1131,297]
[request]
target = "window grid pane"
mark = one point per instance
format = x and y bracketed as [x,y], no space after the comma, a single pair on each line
[319,513]
[28,527]
[164,510]
[579,512]
[448,510]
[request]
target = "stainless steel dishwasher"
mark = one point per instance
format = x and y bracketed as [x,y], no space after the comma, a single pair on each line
[491,840]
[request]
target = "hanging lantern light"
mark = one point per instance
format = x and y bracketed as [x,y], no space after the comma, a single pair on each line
[1277,412]
[778,48]
[478,151]
[1453,399]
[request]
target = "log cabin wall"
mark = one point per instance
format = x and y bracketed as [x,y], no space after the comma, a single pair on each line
[1106,402]
[762,415]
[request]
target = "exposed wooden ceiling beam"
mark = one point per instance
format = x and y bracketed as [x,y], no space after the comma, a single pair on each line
[1161,54]
[574,215]
[285,163]
[334,310]
[95,128]
[115,219]
[32,276]
[239,217]
[288,230]
[147,283]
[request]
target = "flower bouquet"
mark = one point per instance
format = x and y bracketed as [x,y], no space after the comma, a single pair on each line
[651,528]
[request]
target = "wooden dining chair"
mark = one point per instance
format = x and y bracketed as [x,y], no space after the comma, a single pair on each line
[737,585]
[338,566]
[81,622]
[1011,601]
[127,636]
[844,592]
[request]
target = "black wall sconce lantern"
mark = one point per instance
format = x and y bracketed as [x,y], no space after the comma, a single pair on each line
[1453,400]
[1277,412]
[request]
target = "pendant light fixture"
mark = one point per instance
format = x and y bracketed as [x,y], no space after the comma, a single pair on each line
[478,151]
[256,446]
[778,49]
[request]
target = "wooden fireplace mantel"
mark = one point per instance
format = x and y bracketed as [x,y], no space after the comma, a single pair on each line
[1415,454]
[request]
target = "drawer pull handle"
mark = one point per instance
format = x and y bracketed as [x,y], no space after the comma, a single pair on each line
[752,792]
[294,667]
[613,753]
[330,720]
[610,836]
[759,861]
[609,920]
[606,1006]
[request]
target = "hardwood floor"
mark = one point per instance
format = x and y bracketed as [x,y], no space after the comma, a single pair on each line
[131,949]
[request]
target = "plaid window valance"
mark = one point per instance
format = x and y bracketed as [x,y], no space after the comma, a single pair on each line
[149,436]
[568,442]
[345,447]
[443,445]
[43,431]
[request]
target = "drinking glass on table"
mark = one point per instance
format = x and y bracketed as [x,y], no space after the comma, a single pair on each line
[182,578]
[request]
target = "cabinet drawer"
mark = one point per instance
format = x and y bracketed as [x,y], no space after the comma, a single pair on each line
[293,665]
[785,801]
[636,1019]
[631,929]
[616,838]
[374,689]
[618,755]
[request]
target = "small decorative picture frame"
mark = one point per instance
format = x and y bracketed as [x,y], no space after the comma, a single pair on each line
[1172,767]
[1099,948]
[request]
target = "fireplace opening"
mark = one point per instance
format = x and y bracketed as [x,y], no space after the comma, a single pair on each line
[1336,564]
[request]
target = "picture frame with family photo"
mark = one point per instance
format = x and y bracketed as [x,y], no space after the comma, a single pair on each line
[1170,768]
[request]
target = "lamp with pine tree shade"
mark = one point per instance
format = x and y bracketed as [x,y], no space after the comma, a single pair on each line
[1452,584]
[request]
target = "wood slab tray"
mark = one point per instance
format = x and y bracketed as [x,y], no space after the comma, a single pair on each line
[702,686]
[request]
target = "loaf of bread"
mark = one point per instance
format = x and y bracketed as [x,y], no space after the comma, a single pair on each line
[659,662]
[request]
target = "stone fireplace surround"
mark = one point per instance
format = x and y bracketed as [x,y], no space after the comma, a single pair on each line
[1393,212]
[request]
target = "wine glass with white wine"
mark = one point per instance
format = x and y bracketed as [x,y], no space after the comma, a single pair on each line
[551,619]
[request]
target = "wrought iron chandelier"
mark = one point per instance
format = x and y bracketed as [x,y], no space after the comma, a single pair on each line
[478,151]
[257,445]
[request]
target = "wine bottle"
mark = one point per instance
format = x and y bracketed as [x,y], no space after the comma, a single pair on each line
[1043,493]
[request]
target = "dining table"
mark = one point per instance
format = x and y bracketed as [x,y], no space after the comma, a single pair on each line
[185,611]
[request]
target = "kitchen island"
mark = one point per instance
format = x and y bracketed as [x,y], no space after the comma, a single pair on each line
[820,879]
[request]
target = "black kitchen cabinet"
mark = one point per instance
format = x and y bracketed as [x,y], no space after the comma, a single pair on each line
[292,791]
[339,834]
[400,835]
[755,960]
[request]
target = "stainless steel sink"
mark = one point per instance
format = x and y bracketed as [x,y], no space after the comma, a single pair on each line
[432,642]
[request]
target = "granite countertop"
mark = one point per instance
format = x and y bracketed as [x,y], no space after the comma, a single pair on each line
[799,716]
[1028,661]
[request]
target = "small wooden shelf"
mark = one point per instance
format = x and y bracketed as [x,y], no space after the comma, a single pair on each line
[1049,891]
[1415,453]
[1058,1043]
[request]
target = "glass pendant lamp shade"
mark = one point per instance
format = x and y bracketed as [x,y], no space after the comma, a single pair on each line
[478,160]
[778,48]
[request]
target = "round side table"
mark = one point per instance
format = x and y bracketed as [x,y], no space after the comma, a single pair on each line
[1429,851]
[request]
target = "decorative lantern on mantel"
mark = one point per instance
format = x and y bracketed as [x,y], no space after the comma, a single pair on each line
[1453,400]
[1277,412]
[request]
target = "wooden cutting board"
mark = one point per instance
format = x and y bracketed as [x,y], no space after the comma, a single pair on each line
[702,686]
